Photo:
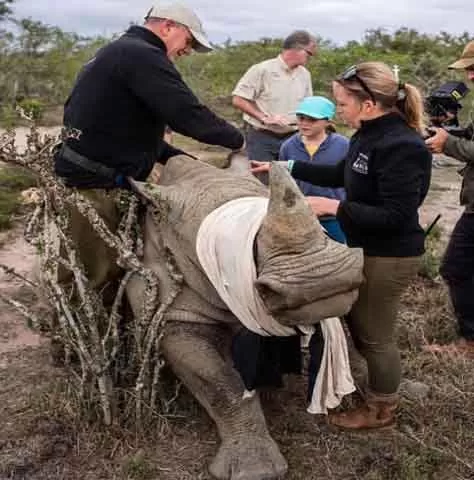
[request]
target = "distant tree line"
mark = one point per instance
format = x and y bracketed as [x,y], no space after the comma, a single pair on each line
[38,62]
[421,59]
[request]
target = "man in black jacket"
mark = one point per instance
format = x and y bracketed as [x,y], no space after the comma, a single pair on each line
[115,118]
[125,96]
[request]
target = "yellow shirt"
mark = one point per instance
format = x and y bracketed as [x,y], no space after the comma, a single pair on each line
[311,148]
[276,89]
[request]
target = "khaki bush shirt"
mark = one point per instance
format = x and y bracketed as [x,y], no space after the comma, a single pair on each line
[276,89]
[463,150]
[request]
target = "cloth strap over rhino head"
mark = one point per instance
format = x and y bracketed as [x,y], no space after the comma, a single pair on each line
[232,228]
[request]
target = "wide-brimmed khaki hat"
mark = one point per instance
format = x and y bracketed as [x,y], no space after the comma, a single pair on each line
[467,58]
[185,16]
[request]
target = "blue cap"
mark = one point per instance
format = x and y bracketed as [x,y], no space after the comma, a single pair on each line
[316,107]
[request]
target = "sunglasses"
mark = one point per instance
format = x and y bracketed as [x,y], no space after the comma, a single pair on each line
[308,52]
[351,74]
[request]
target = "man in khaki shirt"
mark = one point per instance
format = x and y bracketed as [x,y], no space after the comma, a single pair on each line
[269,93]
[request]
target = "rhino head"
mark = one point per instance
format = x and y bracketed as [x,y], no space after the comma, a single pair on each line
[302,275]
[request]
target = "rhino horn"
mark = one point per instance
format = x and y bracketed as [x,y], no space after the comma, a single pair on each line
[289,218]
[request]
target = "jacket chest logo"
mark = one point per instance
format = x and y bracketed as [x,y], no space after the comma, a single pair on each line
[361,165]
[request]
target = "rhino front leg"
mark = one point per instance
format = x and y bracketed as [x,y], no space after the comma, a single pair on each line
[199,355]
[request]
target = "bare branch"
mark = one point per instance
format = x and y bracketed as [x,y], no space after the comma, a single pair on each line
[86,327]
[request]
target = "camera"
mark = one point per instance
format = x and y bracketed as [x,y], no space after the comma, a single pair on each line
[442,106]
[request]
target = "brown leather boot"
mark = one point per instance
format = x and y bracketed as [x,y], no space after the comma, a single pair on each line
[377,412]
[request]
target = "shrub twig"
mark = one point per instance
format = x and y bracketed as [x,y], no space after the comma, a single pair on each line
[85,326]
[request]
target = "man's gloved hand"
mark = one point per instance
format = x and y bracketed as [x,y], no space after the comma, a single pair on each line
[242,148]
[437,142]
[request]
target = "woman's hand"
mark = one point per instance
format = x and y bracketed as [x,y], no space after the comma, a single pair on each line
[323,206]
[259,167]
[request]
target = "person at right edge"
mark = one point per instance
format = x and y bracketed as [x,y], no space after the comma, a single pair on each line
[457,267]
[386,174]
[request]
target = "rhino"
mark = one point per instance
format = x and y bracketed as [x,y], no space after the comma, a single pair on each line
[302,276]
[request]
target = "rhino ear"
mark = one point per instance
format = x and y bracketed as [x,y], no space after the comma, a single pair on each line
[157,195]
[289,218]
[143,189]
[238,162]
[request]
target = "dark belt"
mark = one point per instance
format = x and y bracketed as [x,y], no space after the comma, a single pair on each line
[112,175]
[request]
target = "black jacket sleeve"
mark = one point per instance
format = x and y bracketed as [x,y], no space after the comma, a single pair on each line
[153,78]
[321,175]
[402,178]
[168,151]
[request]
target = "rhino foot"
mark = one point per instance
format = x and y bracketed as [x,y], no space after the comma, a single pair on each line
[248,458]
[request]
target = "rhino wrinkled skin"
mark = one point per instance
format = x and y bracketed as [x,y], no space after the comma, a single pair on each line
[302,277]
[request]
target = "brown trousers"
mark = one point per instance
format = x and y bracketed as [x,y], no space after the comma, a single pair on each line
[97,257]
[373,317]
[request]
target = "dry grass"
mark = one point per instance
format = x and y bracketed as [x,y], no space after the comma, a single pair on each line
[46,432]
[49,437]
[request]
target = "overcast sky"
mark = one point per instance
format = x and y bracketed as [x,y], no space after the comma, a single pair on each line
[337,20]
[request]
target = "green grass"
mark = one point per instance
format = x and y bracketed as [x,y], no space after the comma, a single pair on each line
[13,181]
[137,467]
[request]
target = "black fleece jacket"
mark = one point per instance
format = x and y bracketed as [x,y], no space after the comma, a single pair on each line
[386,174]
[123,99]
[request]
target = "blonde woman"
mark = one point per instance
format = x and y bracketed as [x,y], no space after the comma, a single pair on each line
[386,174]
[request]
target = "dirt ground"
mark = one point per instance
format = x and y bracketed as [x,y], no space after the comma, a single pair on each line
[42,437]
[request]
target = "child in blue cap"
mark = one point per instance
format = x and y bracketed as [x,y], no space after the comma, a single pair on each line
[315,142]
